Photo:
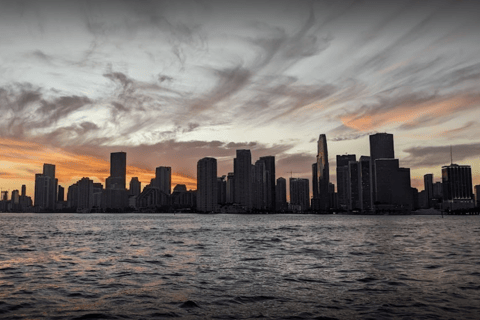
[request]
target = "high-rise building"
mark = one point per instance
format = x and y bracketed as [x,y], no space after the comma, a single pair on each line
[270,182]
[322,177]
[85,194]
[477,194]
[393,185]
[230,196]
[354,186]
[163,179]
[221,190]
[46,189]
[24,190]
[259,192]
[299,194]
[118,171]
[343,179]
[61,194]
[428,185]
[281,194]
[381,147]
[135,186]
[207,185]
[366,183]
[243,182]
[457,187]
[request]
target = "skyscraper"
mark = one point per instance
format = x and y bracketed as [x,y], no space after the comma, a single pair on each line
[135,186]
[243,183]
[321,199]
[207,185]
[354,186]
[457,187]
[230,196]
[299,194]
[46,189]
[281,194]
[366,176]
[163,179]
[118,171]
[428,185]
[343,180]
[270,182]
[477,195]
[381,147]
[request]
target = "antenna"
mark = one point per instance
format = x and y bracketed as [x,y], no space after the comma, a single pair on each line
[291,173]
[451,155]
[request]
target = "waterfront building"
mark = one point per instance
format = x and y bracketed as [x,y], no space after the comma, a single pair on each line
[207,185]
[366,183]
[321,177]
[354,186]
[85,194]
[477,195]
[163,179]
[428,187]
[46,189]
[230,192]
[343,180]
[221,190]
[243,183]
[281,194]
[457,187]
[299,194]
[135,186]
[381,147]
[118,171]
[270,199]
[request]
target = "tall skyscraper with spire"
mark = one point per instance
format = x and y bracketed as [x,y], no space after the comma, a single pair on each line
[321,177]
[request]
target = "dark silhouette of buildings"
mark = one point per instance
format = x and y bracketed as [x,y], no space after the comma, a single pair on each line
[46,189]
[343,179]
[366,183]
[230,188]
[163,179]
[221,190]
[118,171]
[281,194]
[299,194]
[457,187]
[381,147]
[243,182]
[354,186]
[207,185]
[135,187]
[477,195]
[321,177]
[428,185]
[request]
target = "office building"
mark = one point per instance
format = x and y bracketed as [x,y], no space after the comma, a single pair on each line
[281,194]
[299,194]
[46,189]
[135,186]
[230,188]
[477,195]
[118,171]
[343,180]
[393,185]
[221,190]
[366,183]
[428,187]
[457,187]
[163,179]
[270,182]
[354,186]
[321,177]
[243,182]
[207,185]
[85,195]
[381,147]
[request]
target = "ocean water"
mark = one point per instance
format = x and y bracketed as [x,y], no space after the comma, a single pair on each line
[149,266]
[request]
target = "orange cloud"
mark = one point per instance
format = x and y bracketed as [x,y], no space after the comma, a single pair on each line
[20,160]
[411,112]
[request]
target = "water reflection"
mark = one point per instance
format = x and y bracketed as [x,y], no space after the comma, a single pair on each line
[239,266]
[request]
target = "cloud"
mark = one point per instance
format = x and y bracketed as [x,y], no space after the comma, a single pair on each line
[424,157]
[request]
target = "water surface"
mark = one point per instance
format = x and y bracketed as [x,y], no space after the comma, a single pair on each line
[132,266]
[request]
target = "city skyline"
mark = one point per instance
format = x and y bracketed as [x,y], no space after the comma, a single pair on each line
[170,84]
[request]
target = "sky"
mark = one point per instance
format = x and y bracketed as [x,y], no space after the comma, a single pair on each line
[171,82]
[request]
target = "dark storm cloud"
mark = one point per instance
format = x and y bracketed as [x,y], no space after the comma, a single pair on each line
[421,157]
